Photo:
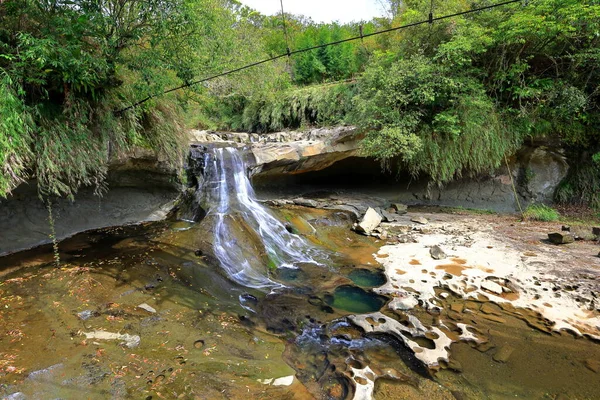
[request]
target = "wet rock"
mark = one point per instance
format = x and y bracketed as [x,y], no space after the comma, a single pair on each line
[560,238]
[16,396]
[399,208]
[278,202]
[420,220]
[87,314]
[315,301]
[592,365]
[369,222]
[491,286]
[305,202]
[130,341]
[503,354]
[494,318]
[457,307]
[147,307]
[488,308]
[486,346]
[437,253]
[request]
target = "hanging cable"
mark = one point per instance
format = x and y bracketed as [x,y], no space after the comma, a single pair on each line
[290,53]
[285,33]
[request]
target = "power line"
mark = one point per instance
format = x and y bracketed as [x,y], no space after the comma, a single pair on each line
[289,53]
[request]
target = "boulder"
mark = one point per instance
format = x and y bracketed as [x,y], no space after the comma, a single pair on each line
[543,169]
[437,253]
[369,222]
[561,238]
[399,208]
[389,217]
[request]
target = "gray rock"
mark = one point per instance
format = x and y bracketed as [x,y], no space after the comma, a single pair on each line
[437,253]
[369,222]
[148,308]
[86,314]
[420,220]
[560,238]
[407,239]
[544,169]
[399,208]
[305,202]
[389,217]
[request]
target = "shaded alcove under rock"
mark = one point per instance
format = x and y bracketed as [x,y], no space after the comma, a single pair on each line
[366,176]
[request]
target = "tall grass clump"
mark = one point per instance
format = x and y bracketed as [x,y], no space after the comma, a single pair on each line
[541,212]
[319,105]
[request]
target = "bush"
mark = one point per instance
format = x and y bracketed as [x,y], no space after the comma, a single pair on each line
[438,121]
[541,212]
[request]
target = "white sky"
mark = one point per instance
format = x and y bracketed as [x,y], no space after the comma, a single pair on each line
[321,10]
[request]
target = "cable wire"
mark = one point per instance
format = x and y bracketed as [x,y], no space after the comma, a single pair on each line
[289,53]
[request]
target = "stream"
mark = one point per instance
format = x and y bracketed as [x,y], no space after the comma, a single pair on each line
[246,300]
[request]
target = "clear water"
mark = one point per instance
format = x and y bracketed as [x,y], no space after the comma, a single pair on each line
[355,300]
[367,278]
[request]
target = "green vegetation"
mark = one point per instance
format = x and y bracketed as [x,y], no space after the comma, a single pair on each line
[541,212]
[439,101]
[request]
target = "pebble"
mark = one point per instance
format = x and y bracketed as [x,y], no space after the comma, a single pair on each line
[148,308]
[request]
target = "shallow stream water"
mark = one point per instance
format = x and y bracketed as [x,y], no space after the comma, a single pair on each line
[152,312]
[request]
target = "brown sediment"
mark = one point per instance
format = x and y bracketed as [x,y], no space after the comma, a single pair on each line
[453,269]
[414,262]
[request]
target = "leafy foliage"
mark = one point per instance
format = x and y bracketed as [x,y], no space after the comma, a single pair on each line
[438,121]
[67,67]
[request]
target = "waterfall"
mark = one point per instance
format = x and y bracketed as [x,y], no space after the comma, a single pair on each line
[229,194]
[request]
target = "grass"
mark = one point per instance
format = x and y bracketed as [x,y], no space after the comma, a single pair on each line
[541,212]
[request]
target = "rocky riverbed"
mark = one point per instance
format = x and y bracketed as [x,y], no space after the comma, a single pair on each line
[431,306]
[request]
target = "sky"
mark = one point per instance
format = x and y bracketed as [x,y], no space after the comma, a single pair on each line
[321,10]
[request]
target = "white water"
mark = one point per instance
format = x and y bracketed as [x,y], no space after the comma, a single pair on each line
[229,192]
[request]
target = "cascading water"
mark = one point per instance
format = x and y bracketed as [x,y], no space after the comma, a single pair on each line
[229,194]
